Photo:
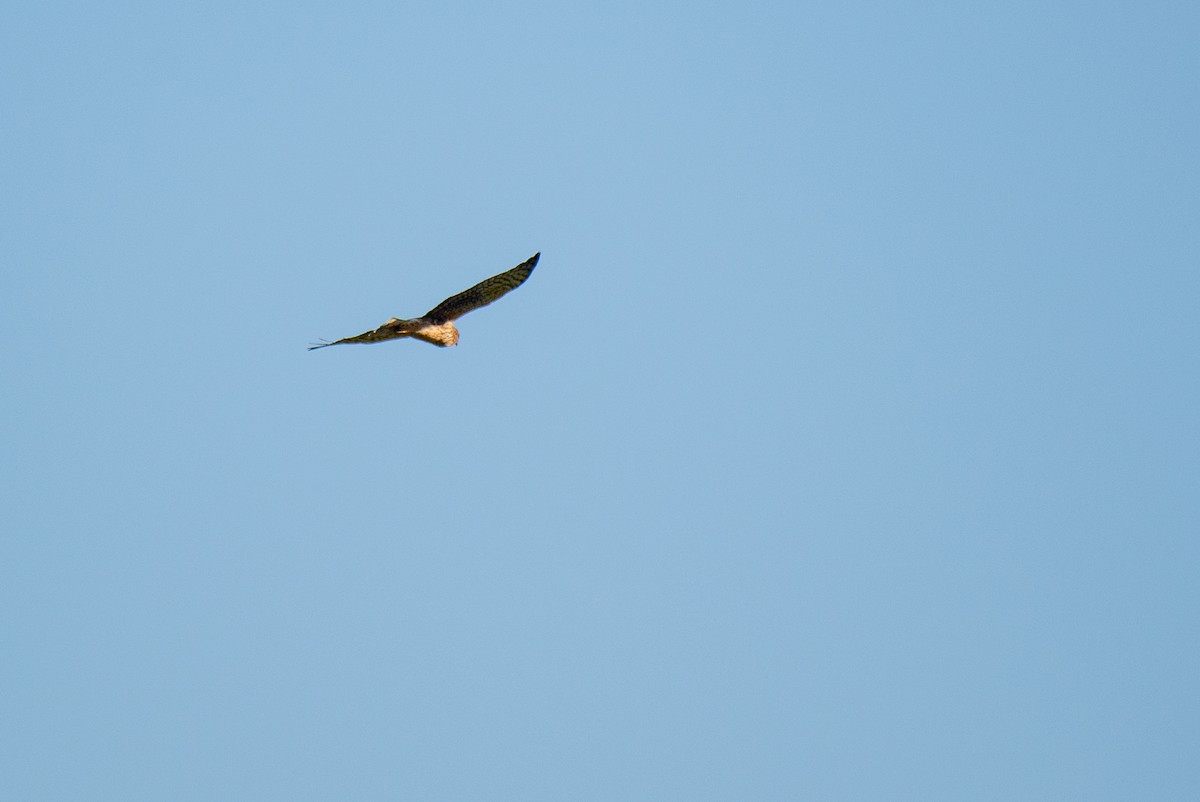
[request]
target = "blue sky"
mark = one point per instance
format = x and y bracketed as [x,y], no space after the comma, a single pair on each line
[843,445]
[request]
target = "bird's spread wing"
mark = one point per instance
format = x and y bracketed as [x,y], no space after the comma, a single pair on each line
[482,293]
[388,331]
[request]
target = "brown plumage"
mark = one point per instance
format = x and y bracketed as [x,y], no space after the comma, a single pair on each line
[437,325]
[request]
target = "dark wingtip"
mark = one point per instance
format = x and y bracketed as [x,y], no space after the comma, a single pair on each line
[533,260]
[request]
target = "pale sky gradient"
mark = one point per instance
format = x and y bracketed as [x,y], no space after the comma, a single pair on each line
[843,445]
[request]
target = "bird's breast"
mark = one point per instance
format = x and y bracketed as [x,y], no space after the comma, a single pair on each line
[442,334]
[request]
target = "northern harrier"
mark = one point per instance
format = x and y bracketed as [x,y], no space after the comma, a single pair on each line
[437,325]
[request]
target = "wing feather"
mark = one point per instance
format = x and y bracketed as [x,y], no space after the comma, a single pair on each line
[388,331]
[482,293]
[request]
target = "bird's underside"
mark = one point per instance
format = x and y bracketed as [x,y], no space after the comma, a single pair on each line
[437,325]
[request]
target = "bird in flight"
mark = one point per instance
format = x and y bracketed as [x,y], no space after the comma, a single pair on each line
[437,325]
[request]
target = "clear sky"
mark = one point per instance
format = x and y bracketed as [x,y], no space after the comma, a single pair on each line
[843,445]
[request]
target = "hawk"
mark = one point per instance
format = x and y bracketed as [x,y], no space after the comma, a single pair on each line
[437,325]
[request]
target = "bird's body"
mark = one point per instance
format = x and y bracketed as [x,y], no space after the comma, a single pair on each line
[441,334]
[437,325]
